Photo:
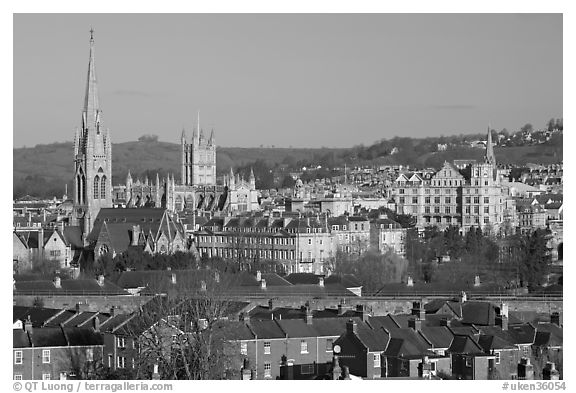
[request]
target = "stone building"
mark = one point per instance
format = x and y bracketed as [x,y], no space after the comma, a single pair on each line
[92,156]
[473,196]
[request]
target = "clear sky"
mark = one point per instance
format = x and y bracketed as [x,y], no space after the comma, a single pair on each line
[302,80]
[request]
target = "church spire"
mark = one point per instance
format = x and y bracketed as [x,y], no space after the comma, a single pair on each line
[91,110]
[489,158]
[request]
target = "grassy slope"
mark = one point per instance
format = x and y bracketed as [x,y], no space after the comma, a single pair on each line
[55,162]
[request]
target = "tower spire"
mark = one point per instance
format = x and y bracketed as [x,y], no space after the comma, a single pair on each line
[489,158]
[91,110]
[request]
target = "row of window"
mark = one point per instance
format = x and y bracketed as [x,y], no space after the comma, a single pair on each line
[18,356]
[100,187]
[267,347]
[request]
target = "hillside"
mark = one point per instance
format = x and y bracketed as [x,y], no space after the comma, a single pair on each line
[44,169]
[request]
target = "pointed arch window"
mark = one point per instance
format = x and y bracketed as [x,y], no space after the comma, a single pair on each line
[96,187]
[103,187]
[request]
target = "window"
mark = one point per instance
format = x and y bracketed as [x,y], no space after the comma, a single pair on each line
[486,220]
[526,350]
[17,357]
[437,200]
[303,346]
[17,377]
[89,354]
[266,347]
[244,348]
[497,357]
[103,188]
[376,360]
[109,360]
[267,369]
[467,199]
[476,200]
[468,362]
[427,200]
[121,362]
[427,209]
[401,190]
[486,209]
[414,200]
[329,344]
[476,210]
[96,190]
[307,369]
[309,241]
[46,377]
[45,356]
[121,342]
[467,209]
[447,199]
[436,209]
[432,366]
[401,199]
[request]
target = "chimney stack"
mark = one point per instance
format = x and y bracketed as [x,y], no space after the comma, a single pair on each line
[555,318]
[418,310]
[270,304]
[28,325]
[463,297]
[173,278]
[415,323]
[525,369]
[101,280]
[57,282]
[135,234]
[549,372]
[321,281]
[351,327]
[96,324]
[112,311]
[410,282]
[308,317]
[263,284]
[477,281]
[502,318]
[258,275]
[203,286]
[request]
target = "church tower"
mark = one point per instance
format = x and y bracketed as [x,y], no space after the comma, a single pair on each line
[198,158]
[92,156]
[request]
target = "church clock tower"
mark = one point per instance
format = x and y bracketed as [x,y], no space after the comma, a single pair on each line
[92,157]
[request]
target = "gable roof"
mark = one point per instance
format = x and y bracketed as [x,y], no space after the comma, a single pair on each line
[464,344]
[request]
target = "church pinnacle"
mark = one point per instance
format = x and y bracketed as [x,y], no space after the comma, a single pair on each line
[91,109]
[489,158]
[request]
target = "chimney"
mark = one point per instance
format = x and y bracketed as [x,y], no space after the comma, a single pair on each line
[463,297]
[321,281]
[351,327]
[244,317]
[308,317]
[96,324]
[258,275]
[425,368]
[28,325]
[415,323]
[101,280]
[549,372]
[555,319]
[168,268]
[502,317]
[57,282]
[155,374]
[216,277]
[135,234]
[445,322]
[341,309]
[525,369]
[418,310]
[270,304]
[173,278]
[263,284]
[112,311]
[410,282]
[477,281]
[203,286]
[364,314]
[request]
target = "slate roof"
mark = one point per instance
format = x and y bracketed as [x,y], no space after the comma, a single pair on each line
[266,329]
[37,315]
[464,344]
[73,236]
[374,340]
[548,335]
[297,328]
[302,278]
[56,337]
[79,286]
[347,280]
[438,336]
[478,313]
[331,326]
[489,343]
[387,322]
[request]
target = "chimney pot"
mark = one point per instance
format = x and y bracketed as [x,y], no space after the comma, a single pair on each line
[173,278]
[57,282]
[321,281]
[101,280]
[263,284]
[351,327]
[410,282]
